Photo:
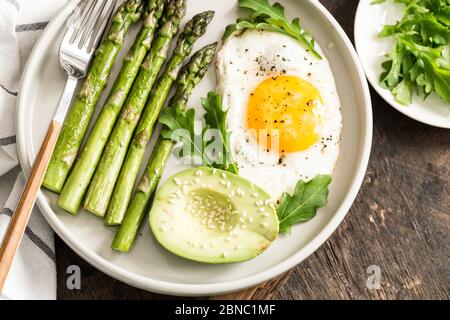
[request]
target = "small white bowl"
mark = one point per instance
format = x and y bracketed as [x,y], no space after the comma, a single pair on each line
[372,49]
[148,265]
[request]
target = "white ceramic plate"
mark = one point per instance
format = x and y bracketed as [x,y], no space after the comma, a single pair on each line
[149,266]
[369,21]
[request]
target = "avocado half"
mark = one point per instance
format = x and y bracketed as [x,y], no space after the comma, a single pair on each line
[213,216]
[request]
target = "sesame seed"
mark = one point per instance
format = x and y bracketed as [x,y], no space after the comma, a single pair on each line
[264,224]
[198,173]
[225,254]
[240,192]
[224,175]
[254,195]
[265,214]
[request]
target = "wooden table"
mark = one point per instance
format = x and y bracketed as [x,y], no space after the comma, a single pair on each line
[400,222]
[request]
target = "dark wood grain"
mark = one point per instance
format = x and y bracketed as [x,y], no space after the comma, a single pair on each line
[400,222]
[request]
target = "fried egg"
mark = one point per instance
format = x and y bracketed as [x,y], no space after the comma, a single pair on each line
[283,109]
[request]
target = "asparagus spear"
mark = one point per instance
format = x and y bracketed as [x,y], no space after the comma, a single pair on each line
[128,230]
[115,150]
[124,186]
[84,168]
[78,118]
[190,76]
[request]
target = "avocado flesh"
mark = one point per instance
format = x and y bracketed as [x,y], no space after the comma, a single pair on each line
[213,216]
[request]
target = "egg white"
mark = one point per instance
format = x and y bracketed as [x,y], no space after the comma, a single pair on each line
[243,63]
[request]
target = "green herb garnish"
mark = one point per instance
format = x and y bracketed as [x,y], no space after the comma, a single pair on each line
[302,205]
[271,18]
[420,60]
[216,119]
[179,125]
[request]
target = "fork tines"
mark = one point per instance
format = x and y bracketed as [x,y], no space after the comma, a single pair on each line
[88,22]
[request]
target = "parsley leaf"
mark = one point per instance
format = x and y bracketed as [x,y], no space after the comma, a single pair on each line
[303,204]
[271,18]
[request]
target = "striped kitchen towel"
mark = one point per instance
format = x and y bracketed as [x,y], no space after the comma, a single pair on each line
[33,273]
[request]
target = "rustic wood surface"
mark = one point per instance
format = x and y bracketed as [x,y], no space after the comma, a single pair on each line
[400,222]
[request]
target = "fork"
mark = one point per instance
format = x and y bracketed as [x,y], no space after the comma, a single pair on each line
[85,29]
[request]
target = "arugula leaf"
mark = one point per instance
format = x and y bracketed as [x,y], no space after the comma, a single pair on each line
[436,70]
[425,25]
[216,118]
[271,18]
[444,16]
[420,59]
[303,204]
[244,24]
[403,91]
[179,125]
[393,67]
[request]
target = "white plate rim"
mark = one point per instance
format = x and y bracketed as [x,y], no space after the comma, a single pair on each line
[184,289]
[386,94]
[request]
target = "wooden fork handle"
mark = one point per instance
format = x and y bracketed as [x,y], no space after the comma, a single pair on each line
[19,220]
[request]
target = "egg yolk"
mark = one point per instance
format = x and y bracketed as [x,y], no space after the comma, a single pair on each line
[280,110]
